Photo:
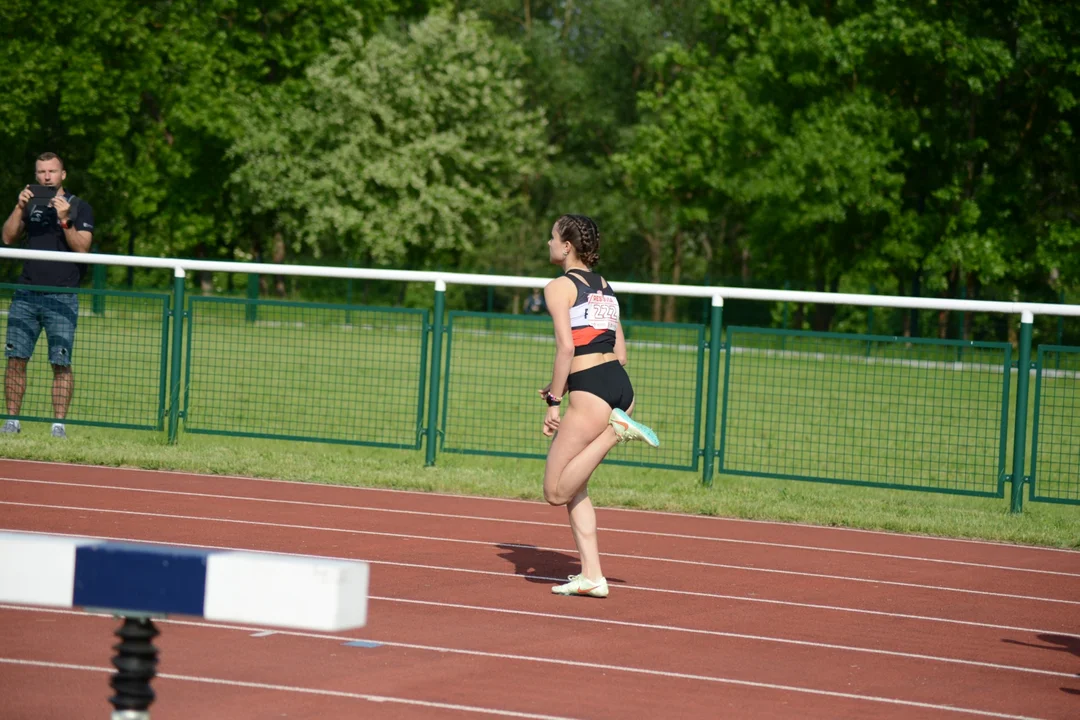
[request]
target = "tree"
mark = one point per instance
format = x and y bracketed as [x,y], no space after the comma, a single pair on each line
[406,150]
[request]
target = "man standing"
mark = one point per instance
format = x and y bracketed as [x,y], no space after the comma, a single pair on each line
[62,223]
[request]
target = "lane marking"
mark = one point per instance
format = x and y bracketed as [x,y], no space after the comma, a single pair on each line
[600,621]
[296,689]
[349,531]
[535,503]
[547,661]
[704,538]
[504,575]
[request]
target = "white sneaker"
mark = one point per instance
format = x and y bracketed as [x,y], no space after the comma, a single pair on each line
[581,585]
[11,426]
[629,429]
[58,430]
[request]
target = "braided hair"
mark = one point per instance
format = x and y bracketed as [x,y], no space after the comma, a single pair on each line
[583,233]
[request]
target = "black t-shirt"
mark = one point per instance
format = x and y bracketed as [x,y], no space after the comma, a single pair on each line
[43,232]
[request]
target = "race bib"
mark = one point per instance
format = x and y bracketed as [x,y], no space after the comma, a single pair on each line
[602,311]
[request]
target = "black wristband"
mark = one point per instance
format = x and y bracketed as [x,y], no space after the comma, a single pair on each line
[552,401]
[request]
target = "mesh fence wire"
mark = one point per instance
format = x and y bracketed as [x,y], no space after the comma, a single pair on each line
[1056,451]
[118,357]
[305,371]
[862,409]
[496,364]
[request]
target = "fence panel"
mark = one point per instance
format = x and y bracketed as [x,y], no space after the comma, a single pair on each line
[866,410]
[1055,445]
[118,359]
[496,363]
[305,371]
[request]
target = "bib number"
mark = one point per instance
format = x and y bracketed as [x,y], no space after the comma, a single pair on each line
[602,312]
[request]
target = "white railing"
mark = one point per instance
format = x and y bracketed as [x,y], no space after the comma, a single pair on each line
[441,279]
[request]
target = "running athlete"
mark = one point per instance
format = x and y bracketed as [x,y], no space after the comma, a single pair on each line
[590,353]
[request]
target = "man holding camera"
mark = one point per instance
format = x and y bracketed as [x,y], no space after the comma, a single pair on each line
[53,219]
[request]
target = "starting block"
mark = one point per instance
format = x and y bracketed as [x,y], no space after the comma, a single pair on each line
[140,582]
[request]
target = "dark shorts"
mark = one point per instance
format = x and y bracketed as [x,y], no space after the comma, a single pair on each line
[30,313]
[609,382]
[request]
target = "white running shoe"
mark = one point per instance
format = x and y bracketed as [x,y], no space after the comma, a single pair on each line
[629,429]
[11,426]
[581,585]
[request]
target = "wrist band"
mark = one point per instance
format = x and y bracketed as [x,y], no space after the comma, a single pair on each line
[552,401]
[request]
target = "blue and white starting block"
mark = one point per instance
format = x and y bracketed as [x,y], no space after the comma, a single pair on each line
[141,581]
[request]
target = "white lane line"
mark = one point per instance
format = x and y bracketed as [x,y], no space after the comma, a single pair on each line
[704,538]
[514,576]
[558,525]
[617,668]
[535,503]
[295,689]
[737,636]
[349,531]
[650,626]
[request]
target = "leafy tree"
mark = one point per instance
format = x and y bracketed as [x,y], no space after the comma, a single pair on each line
[406,150]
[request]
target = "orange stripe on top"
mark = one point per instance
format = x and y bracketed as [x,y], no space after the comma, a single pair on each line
[585,335]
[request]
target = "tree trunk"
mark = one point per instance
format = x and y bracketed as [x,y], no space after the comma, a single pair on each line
[824,312]
[968,317]
[279,258]
[131,268]
[676,275]
[655,265]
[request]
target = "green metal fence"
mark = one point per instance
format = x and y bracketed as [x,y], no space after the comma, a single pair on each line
[305,371]
[119,360]
[1055,445]
[917,414]
[496,363]
[866,410]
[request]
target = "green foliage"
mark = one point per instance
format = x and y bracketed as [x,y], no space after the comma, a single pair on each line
[918,146]
[395,150]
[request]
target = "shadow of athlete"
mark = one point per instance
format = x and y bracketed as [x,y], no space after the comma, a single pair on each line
[1057,643]
[541,566]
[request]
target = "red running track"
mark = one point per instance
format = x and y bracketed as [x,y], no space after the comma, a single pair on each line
[707,617]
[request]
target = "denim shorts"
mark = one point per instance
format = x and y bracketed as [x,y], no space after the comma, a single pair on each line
[30,312]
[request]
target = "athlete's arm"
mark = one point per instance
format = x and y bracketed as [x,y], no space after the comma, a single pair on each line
[559,296]
[620,344]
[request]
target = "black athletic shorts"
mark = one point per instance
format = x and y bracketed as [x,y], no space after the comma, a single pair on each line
[609,382]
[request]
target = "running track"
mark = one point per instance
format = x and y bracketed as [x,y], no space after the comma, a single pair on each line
[707,618]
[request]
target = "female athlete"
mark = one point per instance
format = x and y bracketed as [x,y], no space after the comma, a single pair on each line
[590,353]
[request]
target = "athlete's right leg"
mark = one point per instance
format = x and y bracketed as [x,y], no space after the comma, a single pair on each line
[582,425]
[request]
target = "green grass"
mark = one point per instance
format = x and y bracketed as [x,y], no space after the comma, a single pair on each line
[645,488]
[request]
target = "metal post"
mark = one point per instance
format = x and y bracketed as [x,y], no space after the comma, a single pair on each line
[1023,374]
[713,388]
[436,355]
[252,310]
[177,344]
